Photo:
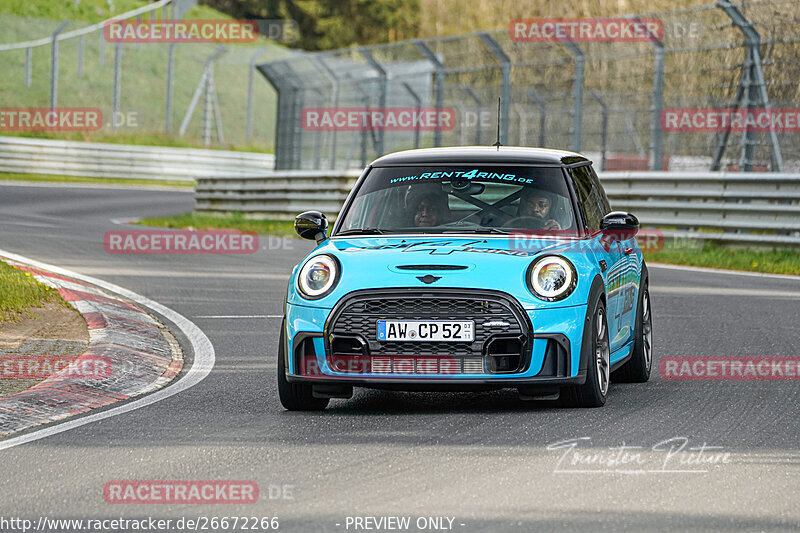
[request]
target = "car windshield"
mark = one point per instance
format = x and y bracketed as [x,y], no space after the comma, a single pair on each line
[460,199]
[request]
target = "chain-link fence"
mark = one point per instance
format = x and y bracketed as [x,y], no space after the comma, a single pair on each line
[606,99]
[204,93]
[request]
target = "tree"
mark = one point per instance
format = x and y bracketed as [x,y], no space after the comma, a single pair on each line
[330,24]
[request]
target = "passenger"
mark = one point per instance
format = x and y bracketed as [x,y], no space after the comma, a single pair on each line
[428,208]
[538,205]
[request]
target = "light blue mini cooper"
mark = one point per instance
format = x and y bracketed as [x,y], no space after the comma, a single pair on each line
[468,268]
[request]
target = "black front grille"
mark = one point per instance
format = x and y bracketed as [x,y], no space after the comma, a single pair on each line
[357,315]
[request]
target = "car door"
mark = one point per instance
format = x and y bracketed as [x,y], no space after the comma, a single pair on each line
[629,285]
[594,206]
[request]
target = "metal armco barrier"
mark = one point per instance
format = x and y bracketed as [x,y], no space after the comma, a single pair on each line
[744,207]
[281,194]
[749,207]
[97,160]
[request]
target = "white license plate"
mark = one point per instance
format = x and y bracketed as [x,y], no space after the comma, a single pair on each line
[426,330]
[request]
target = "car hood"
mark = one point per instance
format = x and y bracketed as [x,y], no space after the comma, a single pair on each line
[431,262]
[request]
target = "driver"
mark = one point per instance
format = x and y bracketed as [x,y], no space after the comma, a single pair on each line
[538,205]
[427,207]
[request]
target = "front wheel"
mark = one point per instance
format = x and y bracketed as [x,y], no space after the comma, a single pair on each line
[594,390]
[295,396]
[638,367]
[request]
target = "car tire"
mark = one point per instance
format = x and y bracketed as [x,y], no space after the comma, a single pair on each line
[295,396]
[593,392]
[637,369]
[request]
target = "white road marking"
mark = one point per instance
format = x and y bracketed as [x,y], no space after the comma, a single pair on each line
[30,224]
[722,291]
[111,271]
[127,220]
[722,271]
[203,361]
[238,316]
[80,185]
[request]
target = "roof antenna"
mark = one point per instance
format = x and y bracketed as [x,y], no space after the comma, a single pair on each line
[497,142]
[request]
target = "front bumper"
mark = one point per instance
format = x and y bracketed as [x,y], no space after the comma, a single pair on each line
[552,355]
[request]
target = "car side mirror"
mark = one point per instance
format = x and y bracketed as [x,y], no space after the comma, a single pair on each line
[311,225]
[619,226]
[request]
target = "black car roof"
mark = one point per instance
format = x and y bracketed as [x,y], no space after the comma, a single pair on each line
[469,155]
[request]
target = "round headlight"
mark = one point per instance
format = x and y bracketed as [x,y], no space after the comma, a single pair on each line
[552,278]
[318,276]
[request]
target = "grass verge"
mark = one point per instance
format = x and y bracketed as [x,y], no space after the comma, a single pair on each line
[140,139]
[81,179]
[778,261]
[282,228]
[20,293]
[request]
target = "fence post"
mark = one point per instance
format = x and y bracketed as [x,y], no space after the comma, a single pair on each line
[80,55]
[211,104]
[656,133]
[440,73]
[298,100]
[117,81]
[318,138]
[54,65]
[334,80]
[102,49]
[278,83]
[366,96]
[478,102]
[170,74]
[249,112]
[577,94]
[604,127]
[522,139]
[505,90]
[206,84]
[462,137]
[418,105]
[752,91]
[28,60]
[543,116]
[382,87]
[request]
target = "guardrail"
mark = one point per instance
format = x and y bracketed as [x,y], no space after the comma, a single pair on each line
[751,207]
[99,160]
[744,207]
[280,194]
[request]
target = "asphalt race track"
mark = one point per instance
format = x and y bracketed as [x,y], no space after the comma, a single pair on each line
[480,459]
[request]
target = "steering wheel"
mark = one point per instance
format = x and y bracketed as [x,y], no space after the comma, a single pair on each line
[525,222]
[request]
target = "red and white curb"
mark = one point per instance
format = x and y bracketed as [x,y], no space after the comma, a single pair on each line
[144,357]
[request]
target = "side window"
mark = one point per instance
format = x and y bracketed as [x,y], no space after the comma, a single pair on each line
[604,199]
[593,198]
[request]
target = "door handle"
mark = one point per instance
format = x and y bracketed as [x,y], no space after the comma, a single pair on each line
[628,251]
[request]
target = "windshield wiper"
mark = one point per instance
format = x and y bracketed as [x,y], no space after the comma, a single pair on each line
[362,231]
[484,229]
